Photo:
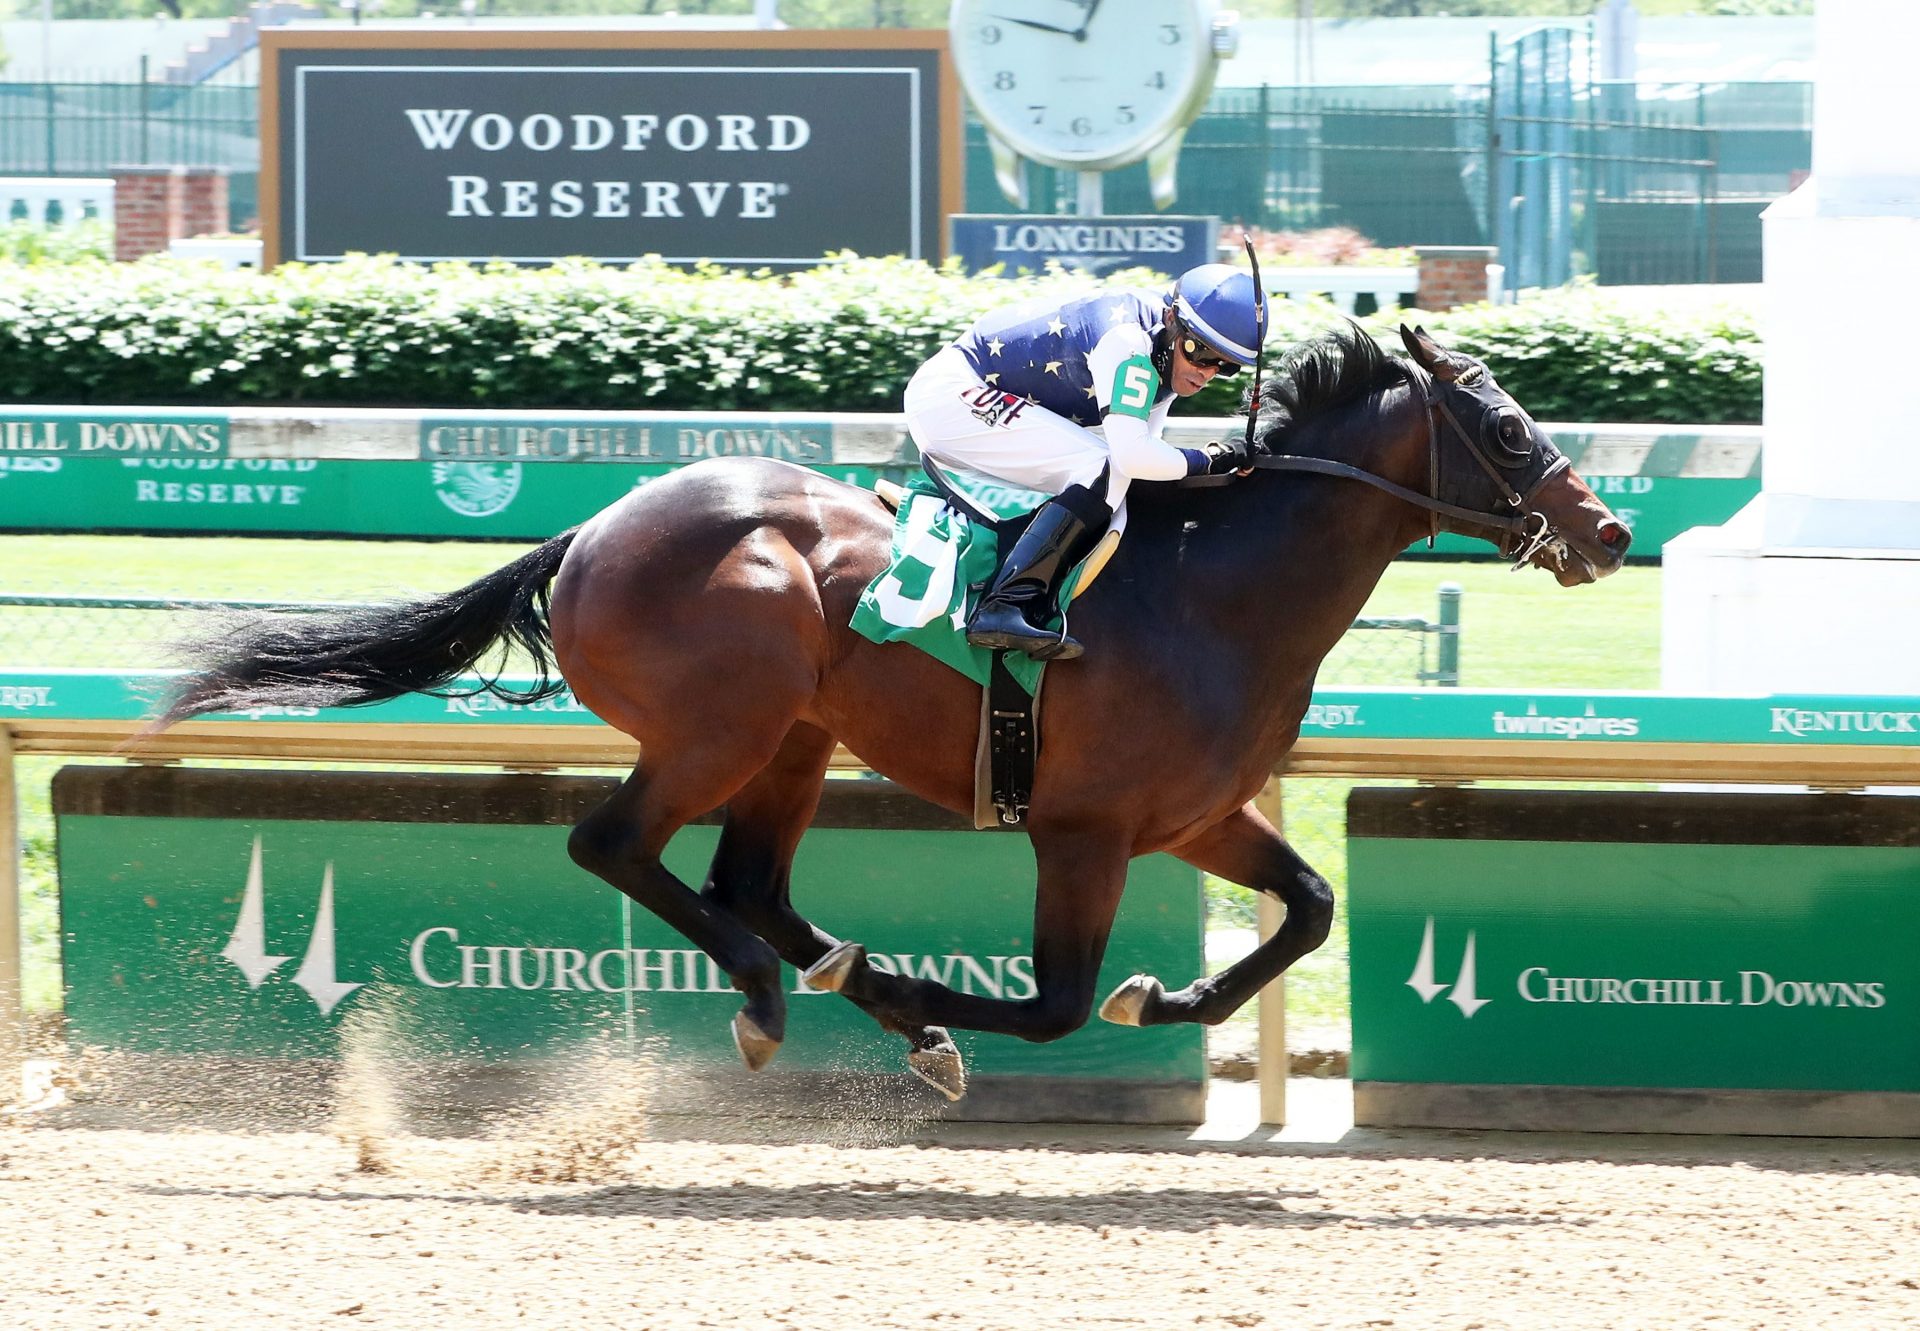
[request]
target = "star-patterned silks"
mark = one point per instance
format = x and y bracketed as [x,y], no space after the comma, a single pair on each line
[1038,351]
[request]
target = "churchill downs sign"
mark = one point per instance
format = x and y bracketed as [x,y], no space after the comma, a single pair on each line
[755,148]
[253,914]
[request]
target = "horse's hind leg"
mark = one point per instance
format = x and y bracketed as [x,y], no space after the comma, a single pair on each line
[1243,848]
[1082,874]
[751,877]
[622,840]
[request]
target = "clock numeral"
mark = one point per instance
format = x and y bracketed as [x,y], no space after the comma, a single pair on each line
[1082,126]
[1039,113]
[1126,115]
[990,35]
[1003,80]
[1159,79]
[1174,36]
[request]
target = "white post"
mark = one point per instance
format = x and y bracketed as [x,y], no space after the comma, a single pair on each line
[12,1033]
[1093,193]
[1273,1062]
[1810,587]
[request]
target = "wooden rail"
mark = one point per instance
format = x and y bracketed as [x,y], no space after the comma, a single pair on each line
[1822,766]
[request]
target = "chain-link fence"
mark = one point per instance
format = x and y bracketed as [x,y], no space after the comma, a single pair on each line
[138,632]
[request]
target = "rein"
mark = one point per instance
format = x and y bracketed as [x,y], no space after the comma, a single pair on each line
[1530,530]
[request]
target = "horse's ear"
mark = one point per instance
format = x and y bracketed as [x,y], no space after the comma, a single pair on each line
[1428,354]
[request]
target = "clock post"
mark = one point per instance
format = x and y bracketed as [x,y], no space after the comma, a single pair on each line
[1088,85]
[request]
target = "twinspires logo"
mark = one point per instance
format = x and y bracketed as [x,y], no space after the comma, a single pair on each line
[1591,725]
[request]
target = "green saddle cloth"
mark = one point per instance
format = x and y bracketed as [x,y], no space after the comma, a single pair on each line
[941,564]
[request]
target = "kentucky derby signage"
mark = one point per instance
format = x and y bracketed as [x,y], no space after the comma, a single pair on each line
[753,148]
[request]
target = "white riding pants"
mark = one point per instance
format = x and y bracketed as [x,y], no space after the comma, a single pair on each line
[956,418]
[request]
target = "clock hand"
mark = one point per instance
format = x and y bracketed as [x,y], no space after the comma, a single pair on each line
[1086,20]
[1044,27]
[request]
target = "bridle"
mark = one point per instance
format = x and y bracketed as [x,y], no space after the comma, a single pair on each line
[1528,530]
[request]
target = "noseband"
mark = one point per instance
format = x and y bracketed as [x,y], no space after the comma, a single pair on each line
[1529,529]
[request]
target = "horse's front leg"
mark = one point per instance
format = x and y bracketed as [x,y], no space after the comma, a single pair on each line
[1081,878]
[1243,848]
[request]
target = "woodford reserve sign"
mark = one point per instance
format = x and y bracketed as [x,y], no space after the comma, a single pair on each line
[752,148]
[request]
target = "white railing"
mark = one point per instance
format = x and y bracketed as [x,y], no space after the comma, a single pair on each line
[228,251]
[1343,285]
[34,199]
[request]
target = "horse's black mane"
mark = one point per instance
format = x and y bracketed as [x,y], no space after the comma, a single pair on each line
[1313,377]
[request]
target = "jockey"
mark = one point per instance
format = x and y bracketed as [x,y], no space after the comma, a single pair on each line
[1016,395]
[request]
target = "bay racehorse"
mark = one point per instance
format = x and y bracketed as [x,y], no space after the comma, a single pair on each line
[706,616]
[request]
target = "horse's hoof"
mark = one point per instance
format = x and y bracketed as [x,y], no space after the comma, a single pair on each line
[756,1047]
[832,970]
[941,1069]
[1127,1004]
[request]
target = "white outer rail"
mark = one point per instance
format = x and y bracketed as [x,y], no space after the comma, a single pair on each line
[76,196]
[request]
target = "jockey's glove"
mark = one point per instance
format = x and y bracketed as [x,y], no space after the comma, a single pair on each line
[1224,455]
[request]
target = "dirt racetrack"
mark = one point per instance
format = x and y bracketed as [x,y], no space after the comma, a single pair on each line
[587,1214]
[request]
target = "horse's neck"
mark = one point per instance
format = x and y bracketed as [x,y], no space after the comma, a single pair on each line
[1276,568]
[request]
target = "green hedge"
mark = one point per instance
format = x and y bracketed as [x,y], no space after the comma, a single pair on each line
[843,337]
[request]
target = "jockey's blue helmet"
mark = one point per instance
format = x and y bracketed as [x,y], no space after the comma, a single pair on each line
[1219,305]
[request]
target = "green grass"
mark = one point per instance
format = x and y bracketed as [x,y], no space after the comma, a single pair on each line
[1520,631]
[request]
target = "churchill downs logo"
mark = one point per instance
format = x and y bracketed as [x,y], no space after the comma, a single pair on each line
[476,489]
[439,958]
[1749,988]
[247,948]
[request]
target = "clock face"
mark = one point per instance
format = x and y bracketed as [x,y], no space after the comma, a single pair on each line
[1088,84]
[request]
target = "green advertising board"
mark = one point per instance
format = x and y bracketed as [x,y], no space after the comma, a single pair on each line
[524,475]
[1655,509]
[1601,718]
[451,497]
[251,913]
[1687,942]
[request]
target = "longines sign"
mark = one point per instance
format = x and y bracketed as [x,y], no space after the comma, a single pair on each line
[751,148]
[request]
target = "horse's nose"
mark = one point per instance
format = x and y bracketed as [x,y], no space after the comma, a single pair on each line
[1616,537]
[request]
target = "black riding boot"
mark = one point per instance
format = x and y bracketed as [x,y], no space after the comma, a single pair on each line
[1027,585]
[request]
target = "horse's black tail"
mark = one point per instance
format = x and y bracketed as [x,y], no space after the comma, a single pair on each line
[346,658]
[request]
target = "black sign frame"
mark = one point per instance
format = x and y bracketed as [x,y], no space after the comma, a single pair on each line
[866,127]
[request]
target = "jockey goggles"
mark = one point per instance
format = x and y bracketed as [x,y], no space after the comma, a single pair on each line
[1200,354]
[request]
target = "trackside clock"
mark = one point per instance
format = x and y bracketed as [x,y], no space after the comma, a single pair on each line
[1087,84]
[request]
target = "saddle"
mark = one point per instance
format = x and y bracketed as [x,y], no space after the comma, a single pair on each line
[1008,744]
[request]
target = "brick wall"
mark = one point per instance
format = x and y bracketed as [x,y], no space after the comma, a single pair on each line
[154,206]
[1452,275]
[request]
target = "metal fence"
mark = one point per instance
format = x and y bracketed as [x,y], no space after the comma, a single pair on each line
[92,129]
[136,633]
[1632,183]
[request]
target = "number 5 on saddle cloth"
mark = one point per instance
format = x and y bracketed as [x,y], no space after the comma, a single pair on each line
[953,528]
